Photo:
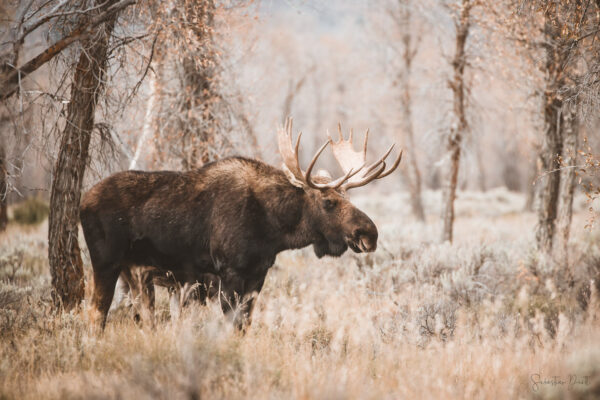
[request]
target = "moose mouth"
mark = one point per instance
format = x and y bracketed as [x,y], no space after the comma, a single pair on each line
[360,245]
[324,247]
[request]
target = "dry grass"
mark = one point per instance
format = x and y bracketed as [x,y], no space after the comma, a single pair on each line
[417,319]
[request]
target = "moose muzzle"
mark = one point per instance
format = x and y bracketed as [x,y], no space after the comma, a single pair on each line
[364,235]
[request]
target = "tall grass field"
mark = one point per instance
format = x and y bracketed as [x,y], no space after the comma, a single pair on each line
[484,318]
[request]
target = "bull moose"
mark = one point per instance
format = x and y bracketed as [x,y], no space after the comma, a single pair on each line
[228,219]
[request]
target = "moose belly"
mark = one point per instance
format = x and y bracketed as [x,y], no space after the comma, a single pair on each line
[184,261]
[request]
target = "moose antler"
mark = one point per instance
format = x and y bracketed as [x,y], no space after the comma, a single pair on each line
[352,162]
[289,153]
[349,159]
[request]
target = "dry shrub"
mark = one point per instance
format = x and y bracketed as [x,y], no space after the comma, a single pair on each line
[32,211]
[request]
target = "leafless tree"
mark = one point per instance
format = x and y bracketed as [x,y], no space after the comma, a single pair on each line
[402,16]
[29,19]
[85,27]
[193,116]
[200,85]
[63,248]
[567,177]
[459,125]
[552,140]
[563,35]
[568,29]
[294,87]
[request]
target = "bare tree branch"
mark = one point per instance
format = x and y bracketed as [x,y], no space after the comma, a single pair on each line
[9,83]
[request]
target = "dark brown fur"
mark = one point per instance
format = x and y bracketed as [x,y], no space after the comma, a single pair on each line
[229,218]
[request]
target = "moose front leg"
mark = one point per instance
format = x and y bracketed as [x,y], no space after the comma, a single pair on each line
[238,297]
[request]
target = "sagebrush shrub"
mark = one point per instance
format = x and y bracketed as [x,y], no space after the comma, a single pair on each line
[32,211]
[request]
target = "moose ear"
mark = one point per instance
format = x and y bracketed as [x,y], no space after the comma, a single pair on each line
[292,178]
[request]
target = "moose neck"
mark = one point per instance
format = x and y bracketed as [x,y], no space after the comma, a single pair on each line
[289,214]
[304,232]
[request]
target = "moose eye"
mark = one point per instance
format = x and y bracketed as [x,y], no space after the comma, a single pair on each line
[329,204]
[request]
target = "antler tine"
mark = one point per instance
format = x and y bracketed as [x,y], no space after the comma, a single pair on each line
[290,134]
[345,154]
[379,172]
[336,183]
[297,144]
[394,166]
[289,124]
[288,151]
[367,179]
[340,181]
[381,160]
[307,179]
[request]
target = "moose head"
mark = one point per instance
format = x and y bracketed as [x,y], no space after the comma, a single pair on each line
[337,223]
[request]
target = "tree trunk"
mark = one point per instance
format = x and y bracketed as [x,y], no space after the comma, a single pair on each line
[3,189]
[414,176]
[551,151]
[481,170]
[450,191]
[148,124]
[531,193]
[63,249]
[567,180]
[200,86]
[415,183]
[550,179]
[459,128]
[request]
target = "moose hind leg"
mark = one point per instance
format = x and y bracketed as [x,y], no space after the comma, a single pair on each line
[106,250]
[105,280]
